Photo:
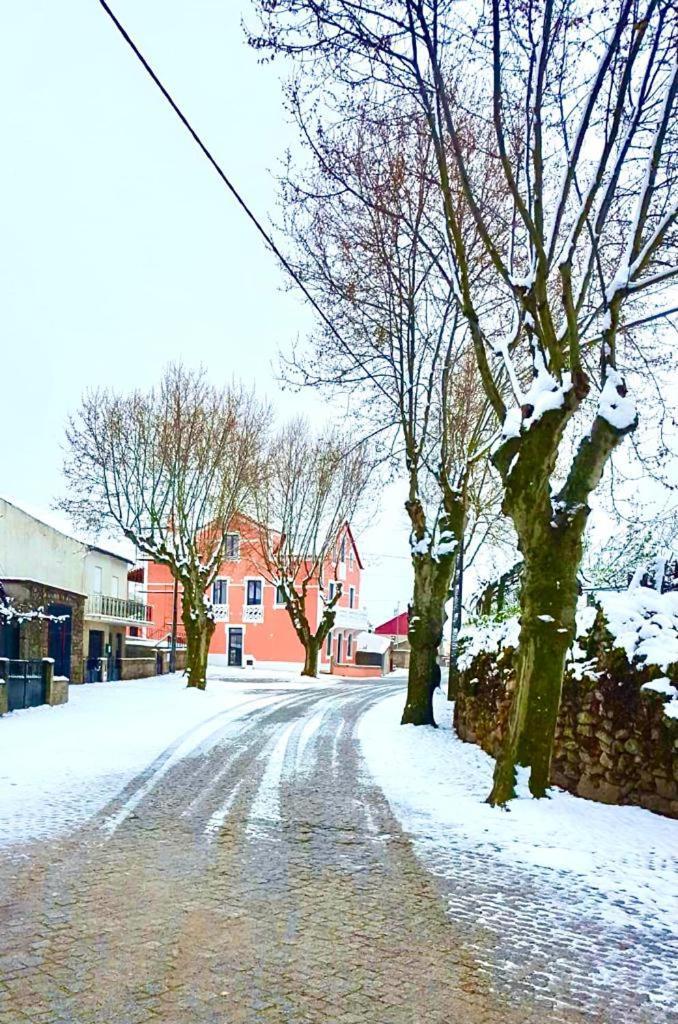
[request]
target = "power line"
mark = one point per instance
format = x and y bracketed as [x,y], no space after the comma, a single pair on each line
[228,183]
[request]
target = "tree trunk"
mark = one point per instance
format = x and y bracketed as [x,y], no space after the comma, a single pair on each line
[548,606]
[199,631]
[550,532]
[427,619]
[311,649]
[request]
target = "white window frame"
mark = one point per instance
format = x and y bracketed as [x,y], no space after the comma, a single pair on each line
[331,590]
[236,557]
[247,581]
[276,602]
[222,579]
[98,579]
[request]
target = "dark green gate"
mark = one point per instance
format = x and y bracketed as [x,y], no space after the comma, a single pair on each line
[25,685]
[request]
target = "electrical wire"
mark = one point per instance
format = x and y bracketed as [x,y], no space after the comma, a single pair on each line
[229,184]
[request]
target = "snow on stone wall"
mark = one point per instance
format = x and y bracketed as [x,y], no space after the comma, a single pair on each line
[617,735]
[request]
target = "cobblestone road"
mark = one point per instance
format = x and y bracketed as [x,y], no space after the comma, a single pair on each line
[262,879]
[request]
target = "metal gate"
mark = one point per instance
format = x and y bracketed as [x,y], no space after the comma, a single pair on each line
[25,685]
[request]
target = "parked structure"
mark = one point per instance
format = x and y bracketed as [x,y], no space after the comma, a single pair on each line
[373,654]
[82,587]
[253,625]
[397,630]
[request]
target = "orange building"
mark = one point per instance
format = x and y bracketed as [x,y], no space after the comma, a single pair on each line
[253,626]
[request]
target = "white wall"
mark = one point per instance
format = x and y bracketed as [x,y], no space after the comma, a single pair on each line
[111,568]
[32,550]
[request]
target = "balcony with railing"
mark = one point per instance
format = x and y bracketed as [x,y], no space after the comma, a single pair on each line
[117,609]
[253,613]
[221,612]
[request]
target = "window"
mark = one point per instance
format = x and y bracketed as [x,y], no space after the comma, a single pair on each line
[332,590]
[232,550]
[254,592]
[329,645]
[350,558]
[349,644]
[342,549]
[220,592]
[115,586]
[280,594]
[98,579]
[351,597]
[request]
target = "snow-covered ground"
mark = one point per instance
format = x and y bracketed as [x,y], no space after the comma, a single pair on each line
[61,765]
[436,786]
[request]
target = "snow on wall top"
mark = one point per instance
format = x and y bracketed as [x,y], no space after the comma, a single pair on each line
[643,622]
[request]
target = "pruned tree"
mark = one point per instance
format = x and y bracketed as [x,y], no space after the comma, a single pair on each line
[312,486]
[170,468]
[364,216]
[582,107]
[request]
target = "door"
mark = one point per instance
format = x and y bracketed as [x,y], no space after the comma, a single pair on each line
[118,655]
[235,648]
[25,685]
[9,639]
[59,638]
[95,651]
[340,639]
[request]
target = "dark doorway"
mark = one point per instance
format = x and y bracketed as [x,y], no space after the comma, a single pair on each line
[95,652]
[9,640]
[235,648]
[118,655]
[59,635]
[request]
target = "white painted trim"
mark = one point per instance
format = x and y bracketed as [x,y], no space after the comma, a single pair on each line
[246,580]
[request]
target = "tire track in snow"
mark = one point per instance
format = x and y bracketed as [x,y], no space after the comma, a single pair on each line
[187,745]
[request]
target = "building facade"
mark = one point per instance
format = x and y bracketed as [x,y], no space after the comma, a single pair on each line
[253,627]
[82,587]
[397,630]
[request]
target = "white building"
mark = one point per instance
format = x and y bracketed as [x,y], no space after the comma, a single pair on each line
[42,566]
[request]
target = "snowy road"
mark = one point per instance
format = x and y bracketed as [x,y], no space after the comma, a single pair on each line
[236,861]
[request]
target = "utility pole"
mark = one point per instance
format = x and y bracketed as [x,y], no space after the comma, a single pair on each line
[455,619]
[173,644]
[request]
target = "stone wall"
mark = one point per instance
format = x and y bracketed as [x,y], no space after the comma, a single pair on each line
[138,668]
[614,743]
[137,652]
[33,643]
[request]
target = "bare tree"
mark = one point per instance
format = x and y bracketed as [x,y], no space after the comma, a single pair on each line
[582,108]
[370,243]
[170,468]
[311,488]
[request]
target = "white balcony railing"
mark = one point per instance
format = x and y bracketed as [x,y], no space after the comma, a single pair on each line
[253,613]
[221,612]
[350,618]
[117,609]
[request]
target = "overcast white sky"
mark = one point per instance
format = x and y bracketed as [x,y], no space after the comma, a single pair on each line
[120,247]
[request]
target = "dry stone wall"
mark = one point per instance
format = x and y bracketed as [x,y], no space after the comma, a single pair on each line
[615,743]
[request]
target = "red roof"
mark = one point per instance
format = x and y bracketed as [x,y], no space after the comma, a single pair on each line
[396,626]
[349,531]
